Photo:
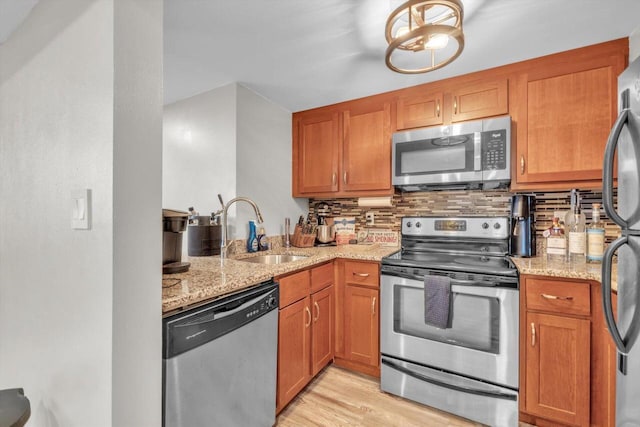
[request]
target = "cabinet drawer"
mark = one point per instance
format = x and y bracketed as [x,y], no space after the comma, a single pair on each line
[321,277]
[294,287]
[363,273]
[558,296]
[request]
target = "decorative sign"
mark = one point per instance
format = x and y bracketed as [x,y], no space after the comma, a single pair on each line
[384,237]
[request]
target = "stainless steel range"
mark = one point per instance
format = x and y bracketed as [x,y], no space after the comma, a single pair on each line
[449,318]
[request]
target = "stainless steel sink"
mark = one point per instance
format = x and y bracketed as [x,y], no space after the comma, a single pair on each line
[273,259]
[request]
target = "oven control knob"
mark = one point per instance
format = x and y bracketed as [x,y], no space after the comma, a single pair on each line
[418,225]
[485,225]
[496,225]
[408,224]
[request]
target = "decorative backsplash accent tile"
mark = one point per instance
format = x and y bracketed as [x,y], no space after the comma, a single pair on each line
[466,203]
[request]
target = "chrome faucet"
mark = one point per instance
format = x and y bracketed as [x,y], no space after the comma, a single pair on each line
[224,245]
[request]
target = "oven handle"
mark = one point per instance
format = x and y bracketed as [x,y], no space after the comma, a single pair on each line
[460,282]
[469,390]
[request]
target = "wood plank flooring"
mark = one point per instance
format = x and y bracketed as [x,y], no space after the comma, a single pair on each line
[337,397]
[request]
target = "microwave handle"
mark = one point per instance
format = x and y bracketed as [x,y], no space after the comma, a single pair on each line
[477,151]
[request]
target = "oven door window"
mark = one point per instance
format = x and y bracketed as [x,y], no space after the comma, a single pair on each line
[475,319]
[434,156]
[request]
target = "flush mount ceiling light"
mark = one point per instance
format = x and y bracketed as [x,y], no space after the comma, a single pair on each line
[424,35]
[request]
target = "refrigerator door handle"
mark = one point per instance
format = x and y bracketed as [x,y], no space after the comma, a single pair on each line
[606,294]
[607,172]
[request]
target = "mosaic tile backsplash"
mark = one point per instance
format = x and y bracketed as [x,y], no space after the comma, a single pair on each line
[466,203]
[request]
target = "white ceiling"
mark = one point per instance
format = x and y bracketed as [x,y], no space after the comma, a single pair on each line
[303,54]
[12,13]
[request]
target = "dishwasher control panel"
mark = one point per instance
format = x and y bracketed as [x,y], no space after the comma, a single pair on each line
[188,330]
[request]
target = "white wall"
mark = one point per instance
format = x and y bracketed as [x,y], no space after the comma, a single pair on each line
[264,162]
[137,222]
[59,338]
[199,151]
[234,142]
[634,44]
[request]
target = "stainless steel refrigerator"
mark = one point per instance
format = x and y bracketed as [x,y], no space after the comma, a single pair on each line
[624,141]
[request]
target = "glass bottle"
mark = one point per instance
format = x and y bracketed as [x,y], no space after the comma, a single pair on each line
[575,225]
[556,241]
[595,237]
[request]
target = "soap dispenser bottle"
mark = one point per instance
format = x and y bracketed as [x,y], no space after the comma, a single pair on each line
[252,241]
[263,244]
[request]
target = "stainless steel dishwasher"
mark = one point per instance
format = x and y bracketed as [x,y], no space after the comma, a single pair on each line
[220,362]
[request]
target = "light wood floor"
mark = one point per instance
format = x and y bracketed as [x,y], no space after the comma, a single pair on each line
[337,397]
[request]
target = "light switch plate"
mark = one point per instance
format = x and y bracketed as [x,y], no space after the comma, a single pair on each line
[81,209]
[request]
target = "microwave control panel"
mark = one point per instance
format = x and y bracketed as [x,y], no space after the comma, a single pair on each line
[494,149]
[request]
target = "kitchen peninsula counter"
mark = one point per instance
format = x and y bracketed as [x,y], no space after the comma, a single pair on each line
[540,266]
[212,277]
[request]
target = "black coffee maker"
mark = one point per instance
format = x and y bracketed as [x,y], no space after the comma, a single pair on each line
[523,230]
[174,223]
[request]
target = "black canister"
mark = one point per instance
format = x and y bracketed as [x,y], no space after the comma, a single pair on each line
[203,239]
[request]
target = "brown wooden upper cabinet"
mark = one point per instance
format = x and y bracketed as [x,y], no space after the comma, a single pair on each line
[459,103]
[343,151]
[566,106]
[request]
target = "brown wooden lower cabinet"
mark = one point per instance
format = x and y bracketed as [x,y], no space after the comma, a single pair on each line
[557,369]
[305,329]
[357,316]
[566,355]
[361,325]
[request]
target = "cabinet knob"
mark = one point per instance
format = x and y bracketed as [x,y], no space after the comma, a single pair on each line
[521,165]
[333,178]
[373,306]
[344,177]
[438,108]
[455,105]
[361,274]
[315,304]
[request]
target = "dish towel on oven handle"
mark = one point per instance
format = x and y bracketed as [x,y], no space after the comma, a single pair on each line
[437,301]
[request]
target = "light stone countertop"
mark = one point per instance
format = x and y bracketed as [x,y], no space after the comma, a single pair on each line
[540,266]
[211,277]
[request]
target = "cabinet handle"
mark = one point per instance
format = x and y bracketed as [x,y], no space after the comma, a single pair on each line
[438,108]
[361,274]
[309,313]
[373,306]
[533,334]
[521,165]
[455,105]
[344,177]
[315,303]
[547,296]
[333,178]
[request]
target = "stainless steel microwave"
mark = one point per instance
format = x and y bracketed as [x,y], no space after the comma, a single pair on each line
[475,154]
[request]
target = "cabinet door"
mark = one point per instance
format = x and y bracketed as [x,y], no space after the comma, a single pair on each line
[316,153]
[565,115]
[478,100]
[361,325]
[322,329]
[294,339]
[419,111]
[557,368]
[366,164]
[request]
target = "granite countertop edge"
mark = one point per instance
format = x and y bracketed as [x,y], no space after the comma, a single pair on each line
[540,266]
[212,277]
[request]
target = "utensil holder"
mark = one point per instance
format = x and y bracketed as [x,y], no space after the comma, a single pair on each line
[300,240]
